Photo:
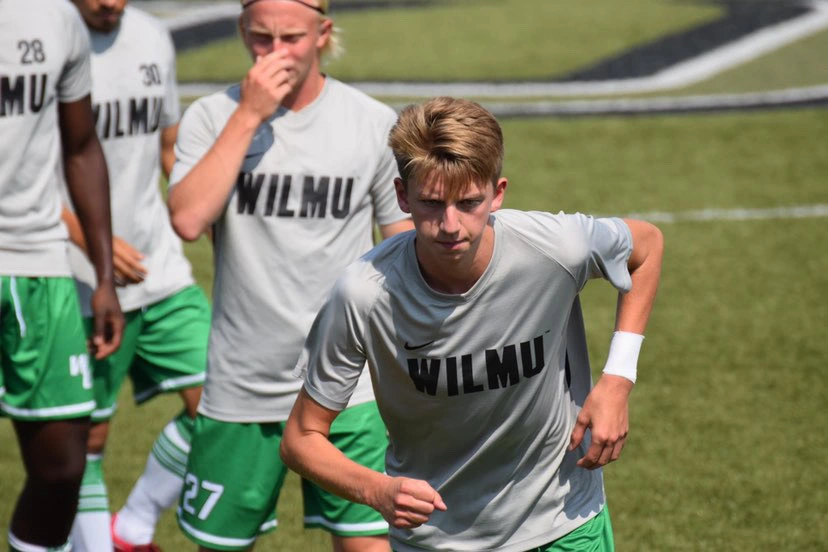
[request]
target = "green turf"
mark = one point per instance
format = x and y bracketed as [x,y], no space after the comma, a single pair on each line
[725,447]
[475,39]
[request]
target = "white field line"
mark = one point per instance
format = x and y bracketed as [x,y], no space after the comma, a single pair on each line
[174,17]
[682,74]
[819,210]
[662,104]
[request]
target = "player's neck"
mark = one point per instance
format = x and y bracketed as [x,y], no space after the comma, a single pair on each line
[456,275]
[305,95]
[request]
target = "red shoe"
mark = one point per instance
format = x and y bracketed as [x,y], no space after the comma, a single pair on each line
[123,546]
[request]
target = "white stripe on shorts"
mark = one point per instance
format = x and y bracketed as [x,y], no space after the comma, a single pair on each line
[170,385]
[80,408]
[18,312]
[347,527]
[212,539]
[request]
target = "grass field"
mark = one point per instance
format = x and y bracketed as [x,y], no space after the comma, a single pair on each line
[725,452]
[476,40]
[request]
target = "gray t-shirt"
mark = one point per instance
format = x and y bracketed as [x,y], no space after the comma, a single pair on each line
[135,96]
[473,387]
[44,59]
[303,208]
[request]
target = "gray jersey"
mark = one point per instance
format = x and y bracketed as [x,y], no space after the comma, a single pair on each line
[302,209]
[134,96]
[44,59]
[473,387]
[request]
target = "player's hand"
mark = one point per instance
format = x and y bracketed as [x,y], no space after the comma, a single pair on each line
[126,262]
[108,322]
[605,412]
[271,78]
[407,503]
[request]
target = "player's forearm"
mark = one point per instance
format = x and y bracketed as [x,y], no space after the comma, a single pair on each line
[199,199]
[634,307]
[312,456]
[306,449]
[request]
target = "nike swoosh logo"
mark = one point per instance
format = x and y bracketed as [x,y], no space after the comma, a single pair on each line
[415,347]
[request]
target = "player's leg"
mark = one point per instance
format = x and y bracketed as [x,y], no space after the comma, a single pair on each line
[172,354]
[91,528]
[359,433]
[47,380]
[234,475]
[53,455]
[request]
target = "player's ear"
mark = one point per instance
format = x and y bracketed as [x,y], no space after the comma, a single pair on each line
[402,195]
[499,192]
[325,30]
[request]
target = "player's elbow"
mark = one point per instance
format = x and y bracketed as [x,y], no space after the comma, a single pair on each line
[648,242]
[184,218]
[656,241]
[186,226]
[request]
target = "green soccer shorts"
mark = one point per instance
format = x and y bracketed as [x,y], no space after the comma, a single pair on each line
[234,476]
[593,536]
[164,348]
[45,370]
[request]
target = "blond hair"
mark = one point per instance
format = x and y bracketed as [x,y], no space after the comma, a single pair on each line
[455,140]
[333,48]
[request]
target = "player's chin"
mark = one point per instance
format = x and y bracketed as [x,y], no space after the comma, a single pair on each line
[105,25]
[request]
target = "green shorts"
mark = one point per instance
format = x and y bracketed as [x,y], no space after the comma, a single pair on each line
[593,536]
[164,348]
[45,371]
[234,476]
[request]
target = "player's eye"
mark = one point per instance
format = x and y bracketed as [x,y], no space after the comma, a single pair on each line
[468,204]
[261,38]
[292,38]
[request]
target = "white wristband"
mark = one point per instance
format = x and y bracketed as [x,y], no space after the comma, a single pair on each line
[623,355]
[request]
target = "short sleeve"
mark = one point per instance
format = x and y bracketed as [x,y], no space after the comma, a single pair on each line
[585,246]
[334,356]
[76,77]
[171,112]
[610,246]
[383,194]
[196,136]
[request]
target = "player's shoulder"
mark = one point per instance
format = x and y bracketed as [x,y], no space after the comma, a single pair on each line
[374,275]
[365,104]
[63,16]
[560,236]
[546,223]
[217,106]
[137,20]
[65,10]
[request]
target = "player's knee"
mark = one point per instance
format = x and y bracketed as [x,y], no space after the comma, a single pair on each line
[61,475]
[97,437]
[378,543]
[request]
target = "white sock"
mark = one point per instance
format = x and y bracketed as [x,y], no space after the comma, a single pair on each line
[159,486]
[90,530]
[17,545]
